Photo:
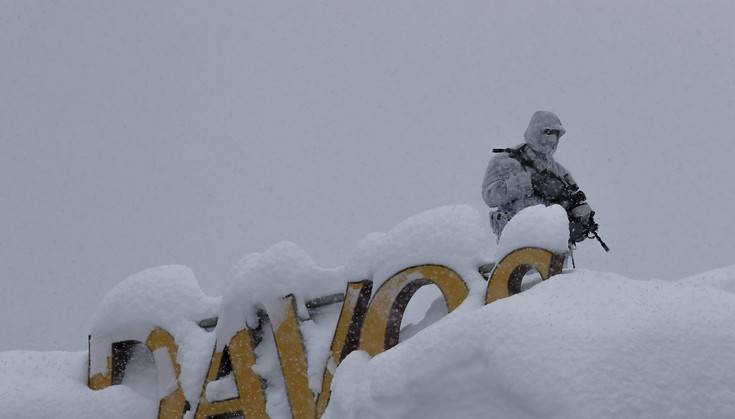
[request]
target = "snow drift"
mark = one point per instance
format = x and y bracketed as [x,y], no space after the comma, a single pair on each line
[582,344]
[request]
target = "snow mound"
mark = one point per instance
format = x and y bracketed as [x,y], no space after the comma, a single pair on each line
[536,226]
[54,385]
[455,236]
[168,297]
[164,296]
[263,279]
[723,279]
[581,345]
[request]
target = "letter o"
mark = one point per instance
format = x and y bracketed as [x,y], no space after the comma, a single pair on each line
[508,273]
[383,318]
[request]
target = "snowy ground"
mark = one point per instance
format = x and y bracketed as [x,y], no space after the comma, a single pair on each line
[54,385]
[583,344]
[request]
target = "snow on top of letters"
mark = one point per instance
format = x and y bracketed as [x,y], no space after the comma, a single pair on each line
[263,279]
[168,297]
[536,226]
[610,340]
[590,330]
[455,236]
[164,296]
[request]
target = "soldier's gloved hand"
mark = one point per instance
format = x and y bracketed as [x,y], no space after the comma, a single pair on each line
[577,198]
[519,185]
[583,213]
[547,186]
[577,231]
[581,223]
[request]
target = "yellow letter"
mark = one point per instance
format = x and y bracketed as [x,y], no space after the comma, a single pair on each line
[293,362]
[508,274]
[383,319]
[172,406]
[346,335]
[99,381]
[251,400]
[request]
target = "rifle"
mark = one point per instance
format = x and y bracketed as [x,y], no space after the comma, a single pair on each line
[571,198]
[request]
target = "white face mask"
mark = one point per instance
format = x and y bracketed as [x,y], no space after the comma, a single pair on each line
[549,142]
[551,137]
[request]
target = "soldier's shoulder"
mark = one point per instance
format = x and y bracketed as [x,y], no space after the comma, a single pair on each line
[504,162]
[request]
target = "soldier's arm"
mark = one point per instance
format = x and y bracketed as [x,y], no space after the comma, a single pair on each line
[505,181]
[565,174]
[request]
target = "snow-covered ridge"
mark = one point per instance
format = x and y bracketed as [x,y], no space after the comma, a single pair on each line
[455,236]
[584,344]
[170,298]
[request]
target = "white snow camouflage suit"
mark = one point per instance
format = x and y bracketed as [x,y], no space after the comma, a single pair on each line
[508,185]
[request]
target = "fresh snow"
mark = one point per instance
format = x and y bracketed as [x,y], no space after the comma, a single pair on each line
[262,280]
[168,297]
[164,296]
[48,385]
[222,389]
[455,236]
[583,344]
[536,226]
[722,279]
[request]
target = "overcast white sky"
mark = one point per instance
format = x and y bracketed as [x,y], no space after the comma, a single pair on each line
[136,134]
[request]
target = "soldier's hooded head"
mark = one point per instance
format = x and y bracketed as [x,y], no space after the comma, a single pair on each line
[543,133]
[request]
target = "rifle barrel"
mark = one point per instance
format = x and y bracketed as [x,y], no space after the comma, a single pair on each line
[602,243]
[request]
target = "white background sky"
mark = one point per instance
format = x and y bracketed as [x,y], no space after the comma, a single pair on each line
[135,134]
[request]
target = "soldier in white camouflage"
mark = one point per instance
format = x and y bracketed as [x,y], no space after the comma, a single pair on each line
[528,175]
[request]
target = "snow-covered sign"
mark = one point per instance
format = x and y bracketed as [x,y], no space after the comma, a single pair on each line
[368,321]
